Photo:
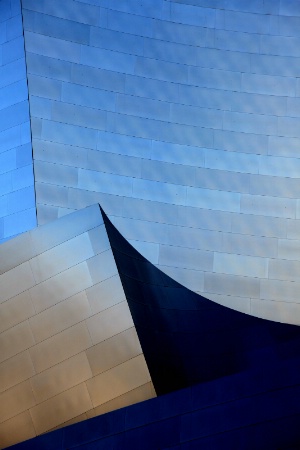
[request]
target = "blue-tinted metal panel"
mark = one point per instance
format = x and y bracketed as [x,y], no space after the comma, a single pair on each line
[17,197]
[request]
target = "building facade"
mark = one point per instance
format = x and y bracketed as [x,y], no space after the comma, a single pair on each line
[181,119]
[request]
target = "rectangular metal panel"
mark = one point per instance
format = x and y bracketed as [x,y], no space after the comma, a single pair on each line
[61,286]
[62,257]
[61,408]
[241,304]
[240,265]
[118,381]
[15,370]
[18,429]
[139,394]
[66,228]
[52,47]
[78,12]
[15,310]
[16,400]
[61,377]
[211,199]
[102,266]
[280,290]
[249,245]
[109,322]
[105,294]
[192,279]
[268,206]
[114,351]
[60,317]
[232,284]
[189,258]
[60,347]
[15,340]
[283,269]
[278,311]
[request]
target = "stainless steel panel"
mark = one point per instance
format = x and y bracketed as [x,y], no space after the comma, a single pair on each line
[278,311]
[61,408]
[66,228]
[60,287]
[102,266]
[16,281]
[15,310]
[232,285]
[118,381]
[61,377]
[60,347]
[15,370]
[282,269]
[109,322]
[99,239]
[280,290]
[15,340]
[190,278]
[18,429]
[140,394]
[61,258]
[16,251]
[248,266]
[242,304]
[105,294]
[16,400]
[113,351]
[57,174]
[79,13]
[249,245]
[60,317]
[187,258]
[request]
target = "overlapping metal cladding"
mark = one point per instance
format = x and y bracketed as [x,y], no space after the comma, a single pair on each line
[68,346]
[242,372]
[182,119]
[17,198]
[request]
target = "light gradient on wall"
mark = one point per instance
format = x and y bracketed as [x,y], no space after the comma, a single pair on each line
[182,119]
[17,197]
[68,346]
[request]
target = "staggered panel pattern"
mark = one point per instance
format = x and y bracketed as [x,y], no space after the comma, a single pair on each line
[17,198]
[257,410]
[182,120]
[68,346]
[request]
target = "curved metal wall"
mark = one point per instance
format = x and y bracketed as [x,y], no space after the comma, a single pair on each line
[182,119]
[68,346]
[17,198]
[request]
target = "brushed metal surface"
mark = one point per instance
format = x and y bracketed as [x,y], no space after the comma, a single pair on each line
[109,322]
[60,347]
[61,408]
[114,351]
[15,310]
[60,317]
[118,380]
[61,377]
[15,370]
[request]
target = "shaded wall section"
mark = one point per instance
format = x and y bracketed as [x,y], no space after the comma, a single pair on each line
[17,197]
[182,119]
[68,346]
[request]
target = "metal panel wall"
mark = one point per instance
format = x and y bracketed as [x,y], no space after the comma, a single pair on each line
[181,118]
[68,346]
[17,197]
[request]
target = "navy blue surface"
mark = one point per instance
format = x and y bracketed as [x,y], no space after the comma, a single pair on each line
[186,338]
